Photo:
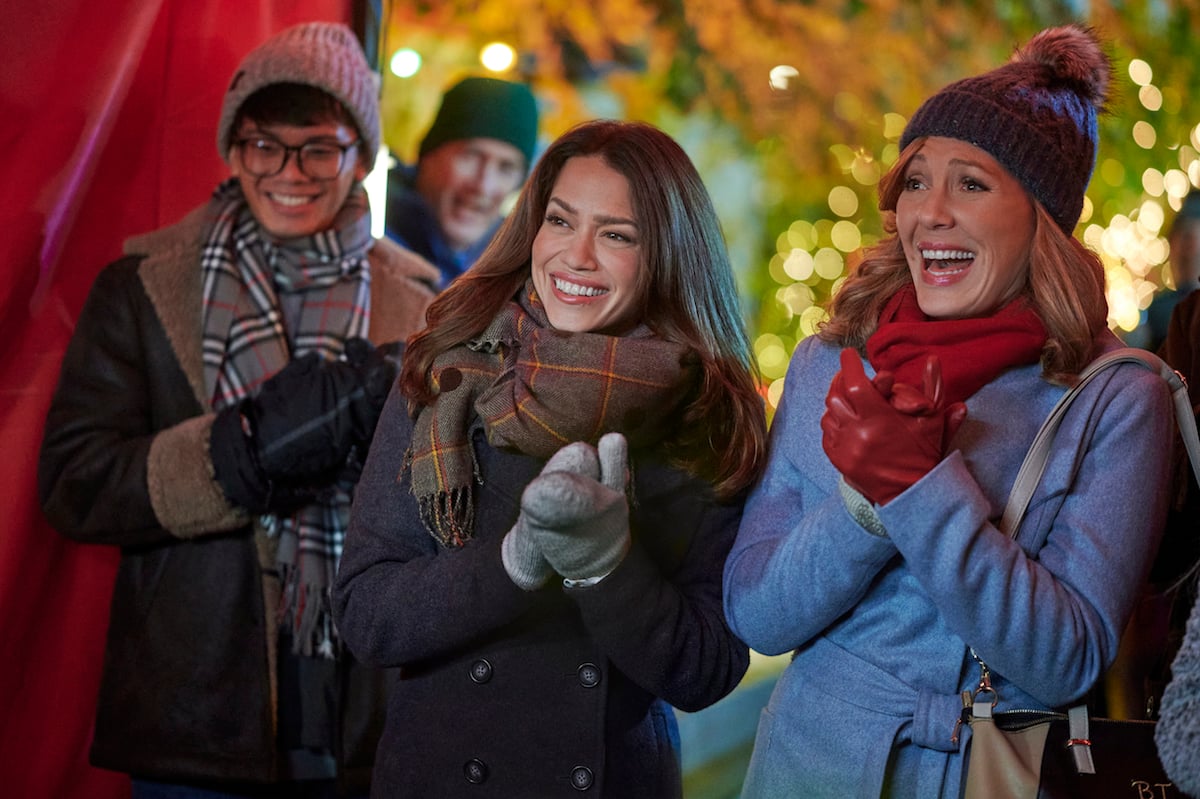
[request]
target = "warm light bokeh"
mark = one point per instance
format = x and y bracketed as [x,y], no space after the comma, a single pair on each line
[791,146]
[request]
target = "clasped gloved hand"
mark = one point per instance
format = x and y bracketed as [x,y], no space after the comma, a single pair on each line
[520,551]
[579,520]
[883,436]
[272,451]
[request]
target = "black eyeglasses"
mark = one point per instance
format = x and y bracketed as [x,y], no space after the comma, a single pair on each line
[264,156]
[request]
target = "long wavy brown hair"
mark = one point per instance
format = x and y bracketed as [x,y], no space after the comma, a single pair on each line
[686,284]
[1065,286]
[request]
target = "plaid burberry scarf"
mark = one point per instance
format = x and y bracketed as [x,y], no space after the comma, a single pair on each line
[537,389]
[248,278]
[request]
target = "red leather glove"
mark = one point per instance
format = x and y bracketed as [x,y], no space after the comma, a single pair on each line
[883,436]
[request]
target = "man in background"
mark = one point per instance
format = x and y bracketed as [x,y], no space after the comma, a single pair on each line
[475,155]
[1183,238]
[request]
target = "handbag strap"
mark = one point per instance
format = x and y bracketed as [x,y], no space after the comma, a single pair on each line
[1039,451]
[1031,472]
[1079,739]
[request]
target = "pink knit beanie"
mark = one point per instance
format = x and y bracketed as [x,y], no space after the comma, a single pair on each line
[326,55]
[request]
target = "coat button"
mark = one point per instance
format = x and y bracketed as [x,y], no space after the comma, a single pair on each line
[582,778]
[476,771]
[481,671]
[589,675]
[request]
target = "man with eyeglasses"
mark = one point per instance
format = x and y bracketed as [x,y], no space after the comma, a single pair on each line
[214,407]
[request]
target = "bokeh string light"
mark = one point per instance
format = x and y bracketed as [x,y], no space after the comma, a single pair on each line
[812,255]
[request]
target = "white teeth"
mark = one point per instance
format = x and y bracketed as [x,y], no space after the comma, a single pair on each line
[947,255]
[577,290]
[288,199]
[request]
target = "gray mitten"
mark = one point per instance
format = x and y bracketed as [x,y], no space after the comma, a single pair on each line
[520,553]
[581,523]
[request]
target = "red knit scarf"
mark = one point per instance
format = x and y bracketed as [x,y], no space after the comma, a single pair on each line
[972,352]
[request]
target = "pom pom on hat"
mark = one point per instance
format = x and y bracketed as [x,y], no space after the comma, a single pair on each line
[486,108]
[326,55]
[1036,115]
[1072,53]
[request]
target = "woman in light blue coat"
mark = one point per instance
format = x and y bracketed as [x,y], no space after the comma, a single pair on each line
[870,547]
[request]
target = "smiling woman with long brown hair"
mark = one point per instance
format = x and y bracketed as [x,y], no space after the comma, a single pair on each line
[538,540]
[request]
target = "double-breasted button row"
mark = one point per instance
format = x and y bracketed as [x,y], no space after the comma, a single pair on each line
[476,772]
[589,674]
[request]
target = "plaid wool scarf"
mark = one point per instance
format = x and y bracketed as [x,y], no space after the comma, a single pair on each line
[324,281]
[537,389]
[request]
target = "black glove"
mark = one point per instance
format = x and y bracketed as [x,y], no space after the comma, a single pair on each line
[378,367]
[296,435]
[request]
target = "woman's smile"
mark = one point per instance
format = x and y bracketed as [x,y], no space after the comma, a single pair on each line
[966,226]
[587,254]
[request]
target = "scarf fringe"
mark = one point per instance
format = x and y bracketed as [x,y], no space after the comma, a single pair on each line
[449,516]
[535,390]
[305,609]
[244,272]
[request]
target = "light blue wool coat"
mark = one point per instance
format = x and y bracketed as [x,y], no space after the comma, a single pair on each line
[881,625]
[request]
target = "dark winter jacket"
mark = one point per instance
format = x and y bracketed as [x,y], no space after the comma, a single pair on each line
[1181,546]
[188,688]
[559,692]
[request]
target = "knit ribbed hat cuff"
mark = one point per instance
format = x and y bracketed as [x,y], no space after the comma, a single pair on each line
[1006,135]
[487,108]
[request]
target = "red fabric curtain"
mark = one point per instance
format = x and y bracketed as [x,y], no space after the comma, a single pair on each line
[107,128]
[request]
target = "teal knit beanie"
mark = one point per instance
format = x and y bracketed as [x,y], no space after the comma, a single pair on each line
[486,108]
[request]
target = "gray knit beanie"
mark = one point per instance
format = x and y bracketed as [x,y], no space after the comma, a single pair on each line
[1036,115]
[326,55]
[486,108]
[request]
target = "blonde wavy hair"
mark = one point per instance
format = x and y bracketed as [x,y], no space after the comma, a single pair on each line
[1065,286]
